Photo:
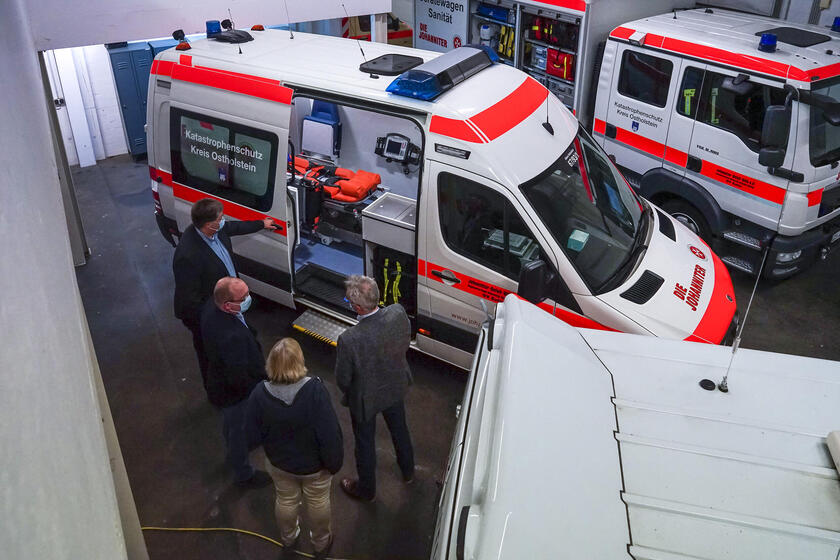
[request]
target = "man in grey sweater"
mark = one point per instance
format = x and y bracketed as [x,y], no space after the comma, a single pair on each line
[372,371]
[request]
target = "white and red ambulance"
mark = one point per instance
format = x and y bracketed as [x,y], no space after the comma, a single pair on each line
[450,179]
[731,123]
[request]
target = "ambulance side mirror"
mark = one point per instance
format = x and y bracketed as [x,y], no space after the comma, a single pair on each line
[774,136]
[533,283]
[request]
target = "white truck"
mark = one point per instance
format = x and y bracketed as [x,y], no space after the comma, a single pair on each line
[574,443]
[731,123]
[451,179]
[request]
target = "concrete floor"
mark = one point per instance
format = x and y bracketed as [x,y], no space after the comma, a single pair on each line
[170,435]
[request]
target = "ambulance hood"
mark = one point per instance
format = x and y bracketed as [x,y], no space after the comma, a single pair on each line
[680,289]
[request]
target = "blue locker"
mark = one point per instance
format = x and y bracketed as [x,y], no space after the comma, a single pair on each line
[131,65]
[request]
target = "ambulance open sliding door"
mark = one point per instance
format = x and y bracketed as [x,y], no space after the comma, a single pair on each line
[475,244]
[723,154]
[238,156]
[639,110]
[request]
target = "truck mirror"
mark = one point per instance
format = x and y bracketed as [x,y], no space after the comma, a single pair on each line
[774,136]
[532,281]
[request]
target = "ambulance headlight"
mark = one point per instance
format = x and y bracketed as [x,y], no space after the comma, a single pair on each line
[788,257]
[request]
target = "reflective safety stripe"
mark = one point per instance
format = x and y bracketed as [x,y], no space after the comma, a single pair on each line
[497,119]
[728,58]
[254,86]
[577,5]
[231,209]
[815,197]
[496,294]
[720,310]
[765,191]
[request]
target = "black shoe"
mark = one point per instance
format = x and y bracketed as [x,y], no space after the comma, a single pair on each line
[351,488]
[257,480]
[322,554]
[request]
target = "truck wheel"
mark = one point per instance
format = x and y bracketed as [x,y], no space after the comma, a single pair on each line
[689,216]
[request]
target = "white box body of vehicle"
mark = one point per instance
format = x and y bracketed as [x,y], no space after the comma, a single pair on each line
[582,444]
[681,104]
[471,188]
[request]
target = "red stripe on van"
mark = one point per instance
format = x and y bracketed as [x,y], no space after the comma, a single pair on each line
[232,209]
[231,81]
[512,110]
[720,310]
[743,183]
[162,67]
[622,32]
[496,294]
[675,156]
[600,127]
[186,60]
[454,128]
[577,5]
[815,197]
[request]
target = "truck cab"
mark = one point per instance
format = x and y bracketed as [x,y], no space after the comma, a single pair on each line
[728,121]
[450,179]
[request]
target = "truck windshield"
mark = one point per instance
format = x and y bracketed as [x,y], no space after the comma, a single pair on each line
[589,209]
[824,138]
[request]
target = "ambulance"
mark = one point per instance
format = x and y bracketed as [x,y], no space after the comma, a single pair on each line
[730,122]
[451,179]
[583,444]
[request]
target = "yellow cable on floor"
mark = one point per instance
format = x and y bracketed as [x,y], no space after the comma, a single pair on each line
[232,530]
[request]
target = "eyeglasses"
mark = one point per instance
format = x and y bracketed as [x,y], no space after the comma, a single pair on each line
[348,302]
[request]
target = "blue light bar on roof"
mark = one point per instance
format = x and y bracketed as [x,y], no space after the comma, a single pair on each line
[432,78]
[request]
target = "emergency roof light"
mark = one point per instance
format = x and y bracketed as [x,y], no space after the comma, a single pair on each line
[836,25]
[432,78]
[213,27]
[767,43]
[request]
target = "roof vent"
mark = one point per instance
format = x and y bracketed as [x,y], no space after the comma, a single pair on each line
[390,64]
[666,226]
[229,35]
[644,288]
[795,37]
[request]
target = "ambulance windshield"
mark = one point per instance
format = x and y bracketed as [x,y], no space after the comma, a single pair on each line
[590,210]
[824,138]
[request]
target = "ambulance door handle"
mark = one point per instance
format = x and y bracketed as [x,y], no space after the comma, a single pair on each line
[694,163]
[447,276]
[610,130]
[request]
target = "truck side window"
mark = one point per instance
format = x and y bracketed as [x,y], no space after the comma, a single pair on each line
[742,114]
[482,225]
[689,95]
[224,159]
[645,78]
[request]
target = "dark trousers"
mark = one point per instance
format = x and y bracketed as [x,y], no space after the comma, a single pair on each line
[198,344]
[365,434]
[236,441]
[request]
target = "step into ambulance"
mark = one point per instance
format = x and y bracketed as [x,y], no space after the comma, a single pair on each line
[450,179]
[731,123]
[581,444]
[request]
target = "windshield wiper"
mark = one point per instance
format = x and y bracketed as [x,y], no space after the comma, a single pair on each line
[636,249]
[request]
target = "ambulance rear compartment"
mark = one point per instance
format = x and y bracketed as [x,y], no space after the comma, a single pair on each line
[353,176]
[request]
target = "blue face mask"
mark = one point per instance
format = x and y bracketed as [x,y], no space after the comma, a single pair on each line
[245,305]
[221,225]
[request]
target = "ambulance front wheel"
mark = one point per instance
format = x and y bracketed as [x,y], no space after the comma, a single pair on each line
[689,216]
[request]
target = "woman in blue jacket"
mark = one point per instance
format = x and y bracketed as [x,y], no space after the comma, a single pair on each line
[294,419]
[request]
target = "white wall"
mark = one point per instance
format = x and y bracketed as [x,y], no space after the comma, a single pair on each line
[56,24]
[57,496]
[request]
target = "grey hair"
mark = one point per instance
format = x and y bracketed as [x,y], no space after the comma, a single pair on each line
[362,291]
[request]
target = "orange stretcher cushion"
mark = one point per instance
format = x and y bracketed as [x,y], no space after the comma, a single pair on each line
[357,187]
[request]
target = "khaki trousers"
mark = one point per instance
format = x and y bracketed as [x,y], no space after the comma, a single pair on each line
[314,490]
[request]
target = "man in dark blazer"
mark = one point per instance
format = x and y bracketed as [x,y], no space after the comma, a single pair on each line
[372,371]
[204,254]
[235,365]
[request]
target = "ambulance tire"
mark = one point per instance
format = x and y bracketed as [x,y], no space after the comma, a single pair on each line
[689,216]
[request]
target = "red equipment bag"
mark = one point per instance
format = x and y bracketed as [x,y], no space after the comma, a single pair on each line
[560,64]
[352,187]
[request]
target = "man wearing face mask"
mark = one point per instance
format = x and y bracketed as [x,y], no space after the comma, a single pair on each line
[205,254]
[235,365]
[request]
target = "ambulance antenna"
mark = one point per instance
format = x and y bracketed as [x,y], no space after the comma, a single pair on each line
[230,17]
[288,20]
[547,125]
[358,42]
[675,13]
